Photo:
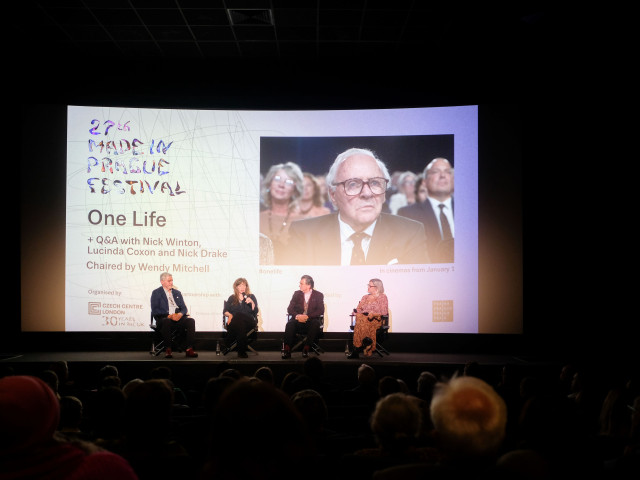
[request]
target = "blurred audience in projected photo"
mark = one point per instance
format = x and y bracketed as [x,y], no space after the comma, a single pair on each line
[421,191]
[241,310]
[369,312]
[266,250]
[282,187]
[359,233]
[31,446]
[310,204]
[436,212]
[324,192]
[406,194]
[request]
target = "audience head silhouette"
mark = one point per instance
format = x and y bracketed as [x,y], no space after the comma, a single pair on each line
[469,418]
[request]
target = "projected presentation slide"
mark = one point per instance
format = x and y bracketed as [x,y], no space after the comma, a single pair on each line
[210,196]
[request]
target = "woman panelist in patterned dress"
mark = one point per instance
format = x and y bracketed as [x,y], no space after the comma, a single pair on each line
[368,318]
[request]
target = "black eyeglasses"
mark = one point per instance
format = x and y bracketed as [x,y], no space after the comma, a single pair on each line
[354,186]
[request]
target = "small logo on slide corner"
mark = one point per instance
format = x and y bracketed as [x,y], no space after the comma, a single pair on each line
[94,308]
[442,310]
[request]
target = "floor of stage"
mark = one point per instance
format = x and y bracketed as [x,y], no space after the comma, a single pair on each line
[266,357]
[343,371]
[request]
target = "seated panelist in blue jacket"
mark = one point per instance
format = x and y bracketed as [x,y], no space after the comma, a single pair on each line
[169,310]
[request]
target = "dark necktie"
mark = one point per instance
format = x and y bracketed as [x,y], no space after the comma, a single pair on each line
[357,254]
[446,228]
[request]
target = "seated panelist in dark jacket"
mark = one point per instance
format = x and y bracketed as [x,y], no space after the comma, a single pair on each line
[169,310]
[305,309]
[241,310]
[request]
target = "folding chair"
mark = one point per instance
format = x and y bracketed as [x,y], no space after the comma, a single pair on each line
[301,337]
[157,342]
[382,333]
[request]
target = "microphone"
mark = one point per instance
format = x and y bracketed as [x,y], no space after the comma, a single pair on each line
[244,297]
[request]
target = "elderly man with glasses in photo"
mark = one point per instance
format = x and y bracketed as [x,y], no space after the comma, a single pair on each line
[358,233]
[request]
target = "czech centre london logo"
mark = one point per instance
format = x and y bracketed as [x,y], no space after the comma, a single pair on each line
[95,308]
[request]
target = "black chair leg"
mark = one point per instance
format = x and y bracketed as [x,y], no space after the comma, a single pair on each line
[230,348]
[299,344]
[156,349]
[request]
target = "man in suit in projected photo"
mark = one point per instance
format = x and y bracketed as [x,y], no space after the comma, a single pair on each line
[170,312]
[359,233]
[436,212]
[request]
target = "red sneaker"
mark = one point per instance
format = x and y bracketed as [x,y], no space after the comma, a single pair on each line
[168,353]
[191,353]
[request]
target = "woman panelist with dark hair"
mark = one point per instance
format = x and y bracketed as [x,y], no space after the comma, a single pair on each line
[241,310]
[368,318]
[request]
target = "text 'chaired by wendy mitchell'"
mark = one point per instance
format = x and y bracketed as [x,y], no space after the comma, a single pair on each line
[150,254]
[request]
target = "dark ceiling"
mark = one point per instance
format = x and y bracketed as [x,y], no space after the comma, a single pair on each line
[210,29]
[69,48]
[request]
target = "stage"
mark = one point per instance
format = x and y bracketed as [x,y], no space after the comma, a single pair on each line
[194,372]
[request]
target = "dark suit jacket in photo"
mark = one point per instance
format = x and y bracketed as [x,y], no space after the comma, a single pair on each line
[316,241]
[160,303]
[315,307]
[423,212]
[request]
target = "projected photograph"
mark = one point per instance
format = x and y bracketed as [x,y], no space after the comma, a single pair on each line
[318,194]
[210,196]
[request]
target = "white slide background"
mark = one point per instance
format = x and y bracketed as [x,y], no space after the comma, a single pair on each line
[150,190]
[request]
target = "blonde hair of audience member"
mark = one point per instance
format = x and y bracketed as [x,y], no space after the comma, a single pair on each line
[469,418]
[282,188]
[310,204]
[396,421]
[406,194]
[281,194]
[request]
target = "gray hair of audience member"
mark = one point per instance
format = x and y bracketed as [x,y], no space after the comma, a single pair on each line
[293,171]
[396,420]
[312,407]
[108,371]
[367,375]
[341,158]
[265,374]
[430,164]
[425,385]
[71,410]
[469,417]
[404,175]
[130,385]
[378,284]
